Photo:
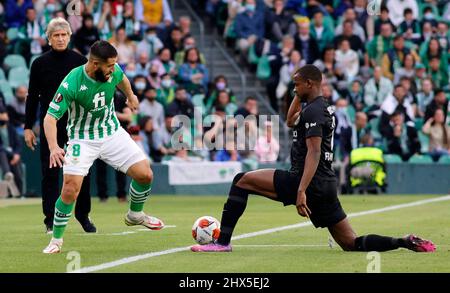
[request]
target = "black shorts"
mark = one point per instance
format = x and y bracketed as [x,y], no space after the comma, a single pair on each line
[321,197]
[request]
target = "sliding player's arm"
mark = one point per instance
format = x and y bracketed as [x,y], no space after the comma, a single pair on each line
[125,87]
[294,111]
[311,162]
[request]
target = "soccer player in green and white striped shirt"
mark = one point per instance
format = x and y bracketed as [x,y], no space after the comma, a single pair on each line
[94,132]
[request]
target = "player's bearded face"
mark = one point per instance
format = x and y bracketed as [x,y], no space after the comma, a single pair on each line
[100,76]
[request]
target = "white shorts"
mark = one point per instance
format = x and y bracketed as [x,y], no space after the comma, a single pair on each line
[118,150]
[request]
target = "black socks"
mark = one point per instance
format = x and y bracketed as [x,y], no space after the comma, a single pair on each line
[232,210]
[378,243]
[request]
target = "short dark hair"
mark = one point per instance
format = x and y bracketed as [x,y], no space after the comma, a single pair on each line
[347,21]
[435,57]
[309,71]
[398,37]
[396,113]
[180,88]
[219,108]
[407,11]
[103,50]
[250,98]
[143,120]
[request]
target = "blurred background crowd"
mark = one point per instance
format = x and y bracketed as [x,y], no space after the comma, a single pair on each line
[386,73]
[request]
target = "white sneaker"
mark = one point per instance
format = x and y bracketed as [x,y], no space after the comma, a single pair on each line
[54,246]
[147,221]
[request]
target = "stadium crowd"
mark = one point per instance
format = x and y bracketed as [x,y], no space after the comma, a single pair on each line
[387,74]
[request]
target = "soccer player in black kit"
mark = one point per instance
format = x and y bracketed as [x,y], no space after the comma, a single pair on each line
[310,184]
[47,73]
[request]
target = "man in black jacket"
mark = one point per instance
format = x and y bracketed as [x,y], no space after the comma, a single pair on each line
[47,72]
[401,137]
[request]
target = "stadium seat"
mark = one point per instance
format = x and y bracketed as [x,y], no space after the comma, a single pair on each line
[418,122]
[374,122]
[444,159]
[424,141]
[197,100]
[263,70]
[231,108]
[351,111]
[15,60]
[252,57]
[32,59]
[420,159]
[6,90]
[12,33]
[2,74]
[391,158]
[18,76]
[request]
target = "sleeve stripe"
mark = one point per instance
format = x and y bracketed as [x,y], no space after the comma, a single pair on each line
[53,115]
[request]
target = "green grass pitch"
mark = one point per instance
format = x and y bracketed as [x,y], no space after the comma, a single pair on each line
[303,249]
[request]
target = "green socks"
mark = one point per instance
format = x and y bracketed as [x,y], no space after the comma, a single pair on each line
[138,195]
[62,215]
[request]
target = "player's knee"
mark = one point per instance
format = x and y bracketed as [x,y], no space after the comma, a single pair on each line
[70,190]
[145,177]
[238,177]
[347,244]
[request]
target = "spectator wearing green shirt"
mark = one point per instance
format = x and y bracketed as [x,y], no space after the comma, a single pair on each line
[380,44]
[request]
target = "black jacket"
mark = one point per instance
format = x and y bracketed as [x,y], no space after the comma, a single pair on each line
[394,143]
[313,52]
[46,74]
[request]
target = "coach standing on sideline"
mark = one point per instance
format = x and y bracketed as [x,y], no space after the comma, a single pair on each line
[46,74]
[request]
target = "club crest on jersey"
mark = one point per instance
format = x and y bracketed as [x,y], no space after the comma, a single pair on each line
[58,98]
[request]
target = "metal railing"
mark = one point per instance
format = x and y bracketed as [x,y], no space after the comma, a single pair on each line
[235,67]
[284,147]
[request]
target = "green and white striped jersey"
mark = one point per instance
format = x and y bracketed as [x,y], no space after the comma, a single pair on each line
[90,104]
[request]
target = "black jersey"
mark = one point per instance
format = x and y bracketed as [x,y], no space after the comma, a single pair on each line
[316,119]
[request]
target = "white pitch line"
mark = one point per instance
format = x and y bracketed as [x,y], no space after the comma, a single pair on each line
[253,234]
[279,245]
[124,232]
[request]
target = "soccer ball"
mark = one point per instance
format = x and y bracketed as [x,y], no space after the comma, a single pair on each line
[206,229]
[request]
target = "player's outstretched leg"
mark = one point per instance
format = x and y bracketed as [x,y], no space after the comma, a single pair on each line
[344,235]
[255,182]
[140,188]
[63,211]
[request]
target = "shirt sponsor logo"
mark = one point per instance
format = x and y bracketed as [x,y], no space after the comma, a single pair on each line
[54,106]
[58,98]
[308,125]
